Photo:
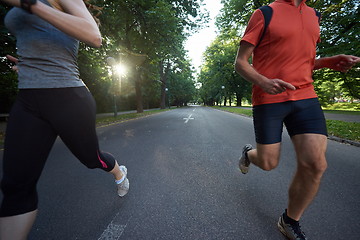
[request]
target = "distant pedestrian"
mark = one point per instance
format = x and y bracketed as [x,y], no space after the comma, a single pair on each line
[283,62]
[52,101]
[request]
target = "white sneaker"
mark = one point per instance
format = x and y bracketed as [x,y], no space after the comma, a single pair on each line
[123,186]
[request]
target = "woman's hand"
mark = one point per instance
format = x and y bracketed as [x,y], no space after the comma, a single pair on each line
[14,3]
[75,19]
[14,60]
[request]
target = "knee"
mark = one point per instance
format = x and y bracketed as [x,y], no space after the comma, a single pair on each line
[18,198]
[315,168]
[268,163]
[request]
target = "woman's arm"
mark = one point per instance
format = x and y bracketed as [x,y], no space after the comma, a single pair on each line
[342,63]
[75,21]
[243,67]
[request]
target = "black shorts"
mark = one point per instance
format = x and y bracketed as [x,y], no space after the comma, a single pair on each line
[299,117]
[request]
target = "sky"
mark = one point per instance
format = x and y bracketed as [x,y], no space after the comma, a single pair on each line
[197,43]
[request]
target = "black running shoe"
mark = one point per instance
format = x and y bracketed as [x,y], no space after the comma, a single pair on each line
[292,232]
[244,161]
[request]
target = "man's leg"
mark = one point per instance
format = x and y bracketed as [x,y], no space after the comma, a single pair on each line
[265,156]
[311,165]
[268,126]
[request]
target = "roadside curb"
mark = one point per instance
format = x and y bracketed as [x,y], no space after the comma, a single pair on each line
[346,141]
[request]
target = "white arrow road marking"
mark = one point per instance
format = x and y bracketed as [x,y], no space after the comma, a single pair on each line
[188,118]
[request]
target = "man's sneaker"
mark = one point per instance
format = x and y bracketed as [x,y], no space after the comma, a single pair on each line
[292,232]
[244,161]
[122,184]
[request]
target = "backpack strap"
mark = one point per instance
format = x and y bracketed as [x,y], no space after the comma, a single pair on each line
[318,14]
[267,12]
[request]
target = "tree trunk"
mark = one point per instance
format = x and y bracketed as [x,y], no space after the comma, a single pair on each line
[163,85]
[139,98]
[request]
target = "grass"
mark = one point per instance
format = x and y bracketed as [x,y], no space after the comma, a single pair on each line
[341,129]
[124,117]
[345,130]
[103,121]
[348,107]
[241,111]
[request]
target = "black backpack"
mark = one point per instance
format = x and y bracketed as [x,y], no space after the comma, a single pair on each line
[267,12]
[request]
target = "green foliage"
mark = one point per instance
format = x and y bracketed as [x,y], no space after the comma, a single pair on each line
[346,130]
[341,129]
[125,117]
[8,79]
[344,107]
[339,34]
[138,33]
[218,77]
[157,29]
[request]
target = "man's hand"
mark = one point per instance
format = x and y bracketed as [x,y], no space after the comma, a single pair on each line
[342,63]
[276,86]
[14,60]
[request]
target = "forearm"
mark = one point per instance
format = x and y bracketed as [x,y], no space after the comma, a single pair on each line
[76,22]
[84,30]
[247,71]
[321,63]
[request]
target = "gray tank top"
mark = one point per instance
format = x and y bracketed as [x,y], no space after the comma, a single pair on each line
[47,56]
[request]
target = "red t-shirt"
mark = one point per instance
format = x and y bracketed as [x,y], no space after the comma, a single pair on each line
[287,51]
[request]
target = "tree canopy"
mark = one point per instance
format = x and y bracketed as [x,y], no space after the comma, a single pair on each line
[339,35]
[146,36]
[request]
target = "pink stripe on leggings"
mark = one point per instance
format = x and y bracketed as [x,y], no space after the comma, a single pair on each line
[102,162]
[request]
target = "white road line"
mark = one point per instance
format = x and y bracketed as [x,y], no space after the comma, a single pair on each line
[114,230]
[188,118]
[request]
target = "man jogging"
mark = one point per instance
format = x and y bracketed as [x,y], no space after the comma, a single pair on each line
[283,62]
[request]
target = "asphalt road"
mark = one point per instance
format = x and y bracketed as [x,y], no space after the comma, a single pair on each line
[184,184]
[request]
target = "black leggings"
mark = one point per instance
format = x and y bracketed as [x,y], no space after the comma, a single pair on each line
[36,119]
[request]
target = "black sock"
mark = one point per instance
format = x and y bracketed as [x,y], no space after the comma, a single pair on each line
[288,220]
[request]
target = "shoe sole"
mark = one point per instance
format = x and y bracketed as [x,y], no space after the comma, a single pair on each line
[122,193]
[281,229]
[243,169]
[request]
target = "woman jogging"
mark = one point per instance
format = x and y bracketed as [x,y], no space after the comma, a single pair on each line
[52,101]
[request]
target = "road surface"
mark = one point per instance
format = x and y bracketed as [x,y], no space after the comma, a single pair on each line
[185,184]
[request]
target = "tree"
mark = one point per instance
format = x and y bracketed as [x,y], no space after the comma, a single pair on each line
[218,71]
[8,79]
[131,29]
[155,28]
[339,34]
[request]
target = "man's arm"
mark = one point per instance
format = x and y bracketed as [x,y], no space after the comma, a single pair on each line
[342,63]
[243,67]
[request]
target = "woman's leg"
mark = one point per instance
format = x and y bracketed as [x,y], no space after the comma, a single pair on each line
[17,227]
[73,116]
[27,144]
